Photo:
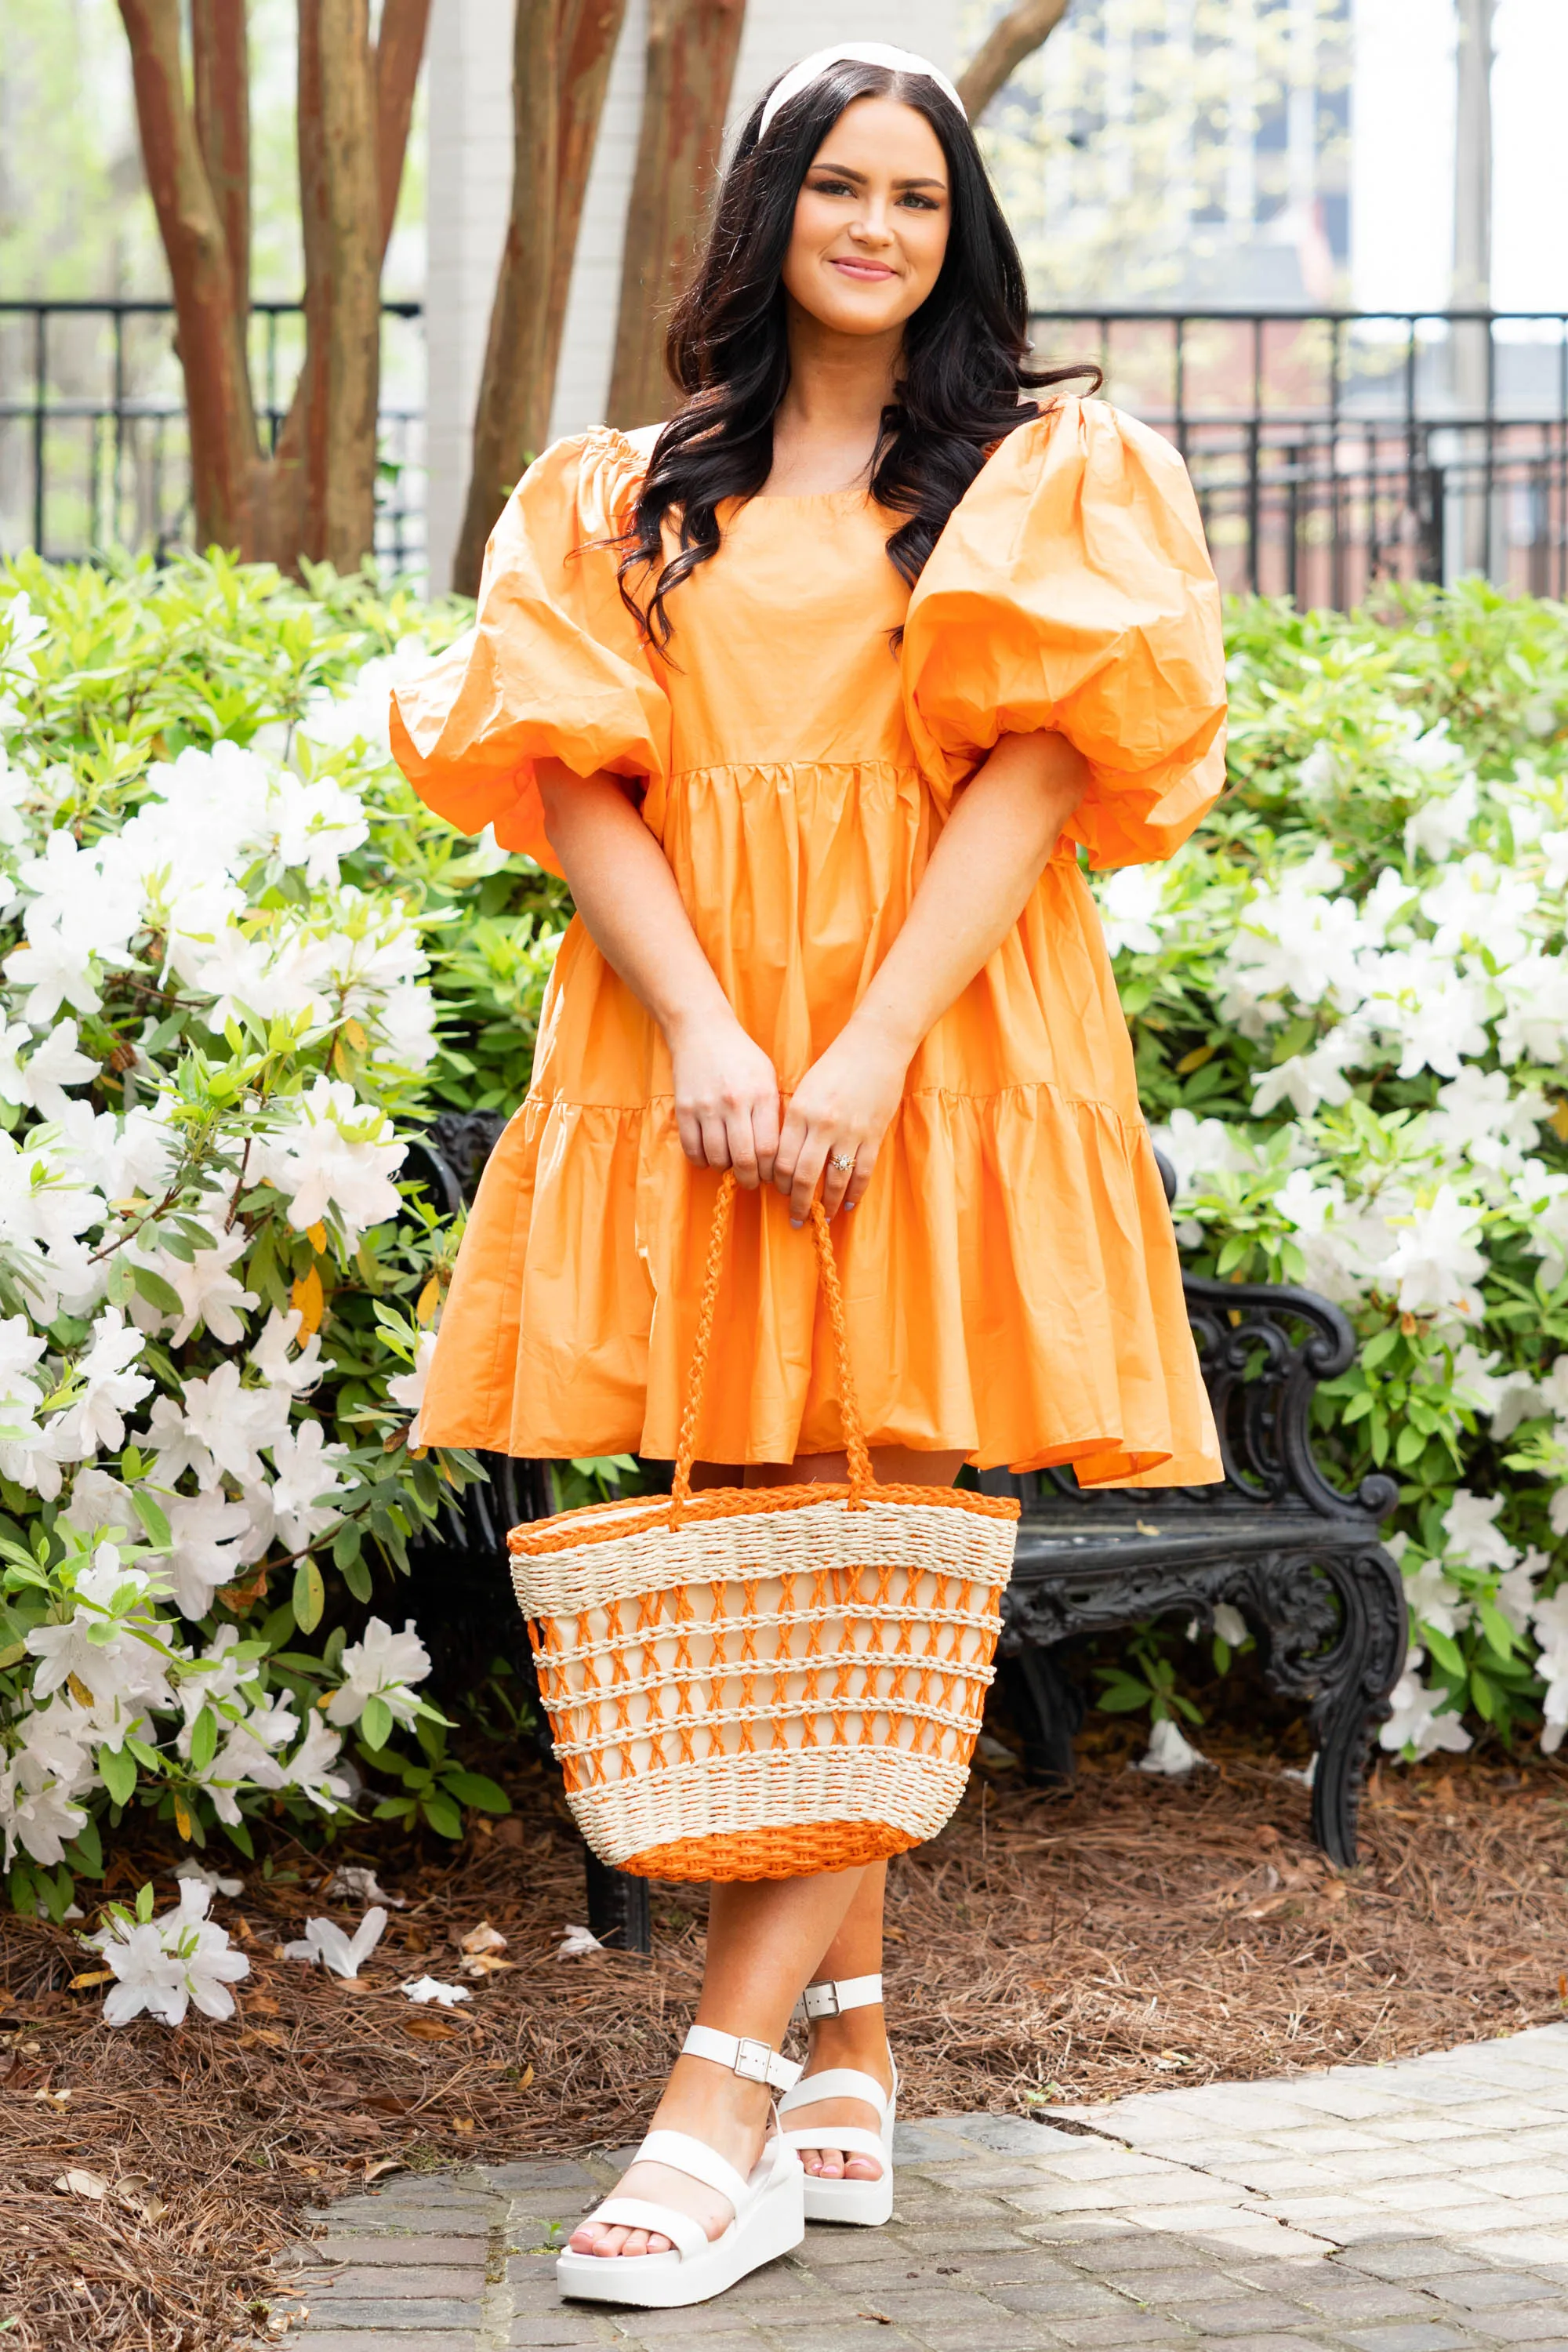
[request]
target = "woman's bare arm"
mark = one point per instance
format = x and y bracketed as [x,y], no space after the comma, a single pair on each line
[987,860]
[726,1089]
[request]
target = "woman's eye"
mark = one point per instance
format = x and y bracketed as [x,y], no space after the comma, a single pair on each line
[919,204]
[833,188]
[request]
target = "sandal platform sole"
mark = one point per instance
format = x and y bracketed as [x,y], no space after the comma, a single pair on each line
[773,2226]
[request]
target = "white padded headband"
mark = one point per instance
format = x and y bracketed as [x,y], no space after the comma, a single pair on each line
[864,53]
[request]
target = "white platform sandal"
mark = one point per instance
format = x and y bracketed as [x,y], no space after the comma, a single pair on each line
[866,2202]
[770,2208]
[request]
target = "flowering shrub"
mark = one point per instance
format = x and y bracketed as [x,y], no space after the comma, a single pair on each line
[1349,999]
[239,965]
[220,909]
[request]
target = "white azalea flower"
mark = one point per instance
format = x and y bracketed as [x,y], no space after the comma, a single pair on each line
[315,824]
[380,1664]
[428,1988]
[307,1484]
[233,1423]
[208,1290]
[298,1374]
[1472,1535]
[164,1965]
[1416,1723]
[1131,902]
[407,1389]
[1432,1601]
[324,1942]
[40,1081]
[1534,1024]
[1435,1262]
[1549,1622]
[1169,1751]
[309,1769]
[206,1529]
[1480,1115]
[109,1387]
[337,1156]
[361,715]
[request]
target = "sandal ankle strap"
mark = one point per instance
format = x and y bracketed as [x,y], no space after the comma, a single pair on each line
[834,1995]
[753,2062]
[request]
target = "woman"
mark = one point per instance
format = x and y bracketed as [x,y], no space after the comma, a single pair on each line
[813,696]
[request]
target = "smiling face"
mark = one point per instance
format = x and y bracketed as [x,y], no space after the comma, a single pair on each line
[871,220]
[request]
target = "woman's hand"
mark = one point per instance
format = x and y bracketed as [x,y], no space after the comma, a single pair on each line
[726,1097]
[840,1110]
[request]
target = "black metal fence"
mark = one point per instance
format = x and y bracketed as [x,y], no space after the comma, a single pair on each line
[1329,450]
[94,450]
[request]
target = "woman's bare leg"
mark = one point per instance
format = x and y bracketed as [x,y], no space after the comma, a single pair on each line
[762,1942]
[859,2038]
[766,1941]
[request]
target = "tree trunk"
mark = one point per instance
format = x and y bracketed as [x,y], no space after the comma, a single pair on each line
[321,503]
[399,48]
[220,81]
[511,414]
[1022,31]
[588,49]
[692,46]
[316,497]
[210,330]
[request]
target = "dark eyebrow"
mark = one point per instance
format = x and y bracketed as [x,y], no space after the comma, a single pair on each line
[847,171]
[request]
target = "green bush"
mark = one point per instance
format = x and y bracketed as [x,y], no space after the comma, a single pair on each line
[1348,1000]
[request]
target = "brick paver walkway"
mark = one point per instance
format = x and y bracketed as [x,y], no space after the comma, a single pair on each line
[1414,2208]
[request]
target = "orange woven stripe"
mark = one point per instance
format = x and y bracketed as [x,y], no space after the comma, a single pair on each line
[771,1854]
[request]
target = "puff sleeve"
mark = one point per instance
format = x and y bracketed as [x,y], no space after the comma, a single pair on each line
[1073,591]
[554,666]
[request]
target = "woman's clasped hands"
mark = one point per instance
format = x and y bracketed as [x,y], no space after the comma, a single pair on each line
[731,1114]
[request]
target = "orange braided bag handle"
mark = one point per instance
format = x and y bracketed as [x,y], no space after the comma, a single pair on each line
[861,1475]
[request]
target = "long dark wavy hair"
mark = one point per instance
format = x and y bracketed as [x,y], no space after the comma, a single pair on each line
[963,379]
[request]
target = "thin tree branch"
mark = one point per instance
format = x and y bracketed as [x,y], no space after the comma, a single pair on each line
[399,50]
[1022,31]
[220,81]
[224,448]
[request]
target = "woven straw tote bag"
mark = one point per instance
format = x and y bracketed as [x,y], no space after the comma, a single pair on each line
[764,1682]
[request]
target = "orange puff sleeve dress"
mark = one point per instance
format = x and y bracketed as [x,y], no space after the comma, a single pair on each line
[1011,1277]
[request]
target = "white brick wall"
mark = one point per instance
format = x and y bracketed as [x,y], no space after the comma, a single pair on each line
[470,186]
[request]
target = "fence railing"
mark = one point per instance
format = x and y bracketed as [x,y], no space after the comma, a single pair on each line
[1329,450]
[94,449]
[1335,450]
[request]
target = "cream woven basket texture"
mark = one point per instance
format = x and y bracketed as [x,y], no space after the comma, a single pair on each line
[760,1682]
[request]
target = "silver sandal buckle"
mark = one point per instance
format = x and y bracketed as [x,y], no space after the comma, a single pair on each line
[821,2001]
[753,2060]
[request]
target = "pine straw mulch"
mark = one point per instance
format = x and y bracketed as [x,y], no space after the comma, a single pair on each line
[1139,1933]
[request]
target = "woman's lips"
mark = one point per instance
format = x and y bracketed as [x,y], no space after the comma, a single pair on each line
[872,272]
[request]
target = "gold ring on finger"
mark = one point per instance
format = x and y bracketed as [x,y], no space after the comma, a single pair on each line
[844,1163]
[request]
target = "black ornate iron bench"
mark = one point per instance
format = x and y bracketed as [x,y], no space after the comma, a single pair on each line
[1301,1562]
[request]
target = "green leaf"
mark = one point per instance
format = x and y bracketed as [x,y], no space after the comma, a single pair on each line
[1447,1651]
[204,1740]
[376,1722]
[442,1814]
[146,1895]
[356,1575]
[1499,1634]
[474,1789]
[309,1596]
[1380,1347]
[116,1771]
[156,1291]
[153,1519]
